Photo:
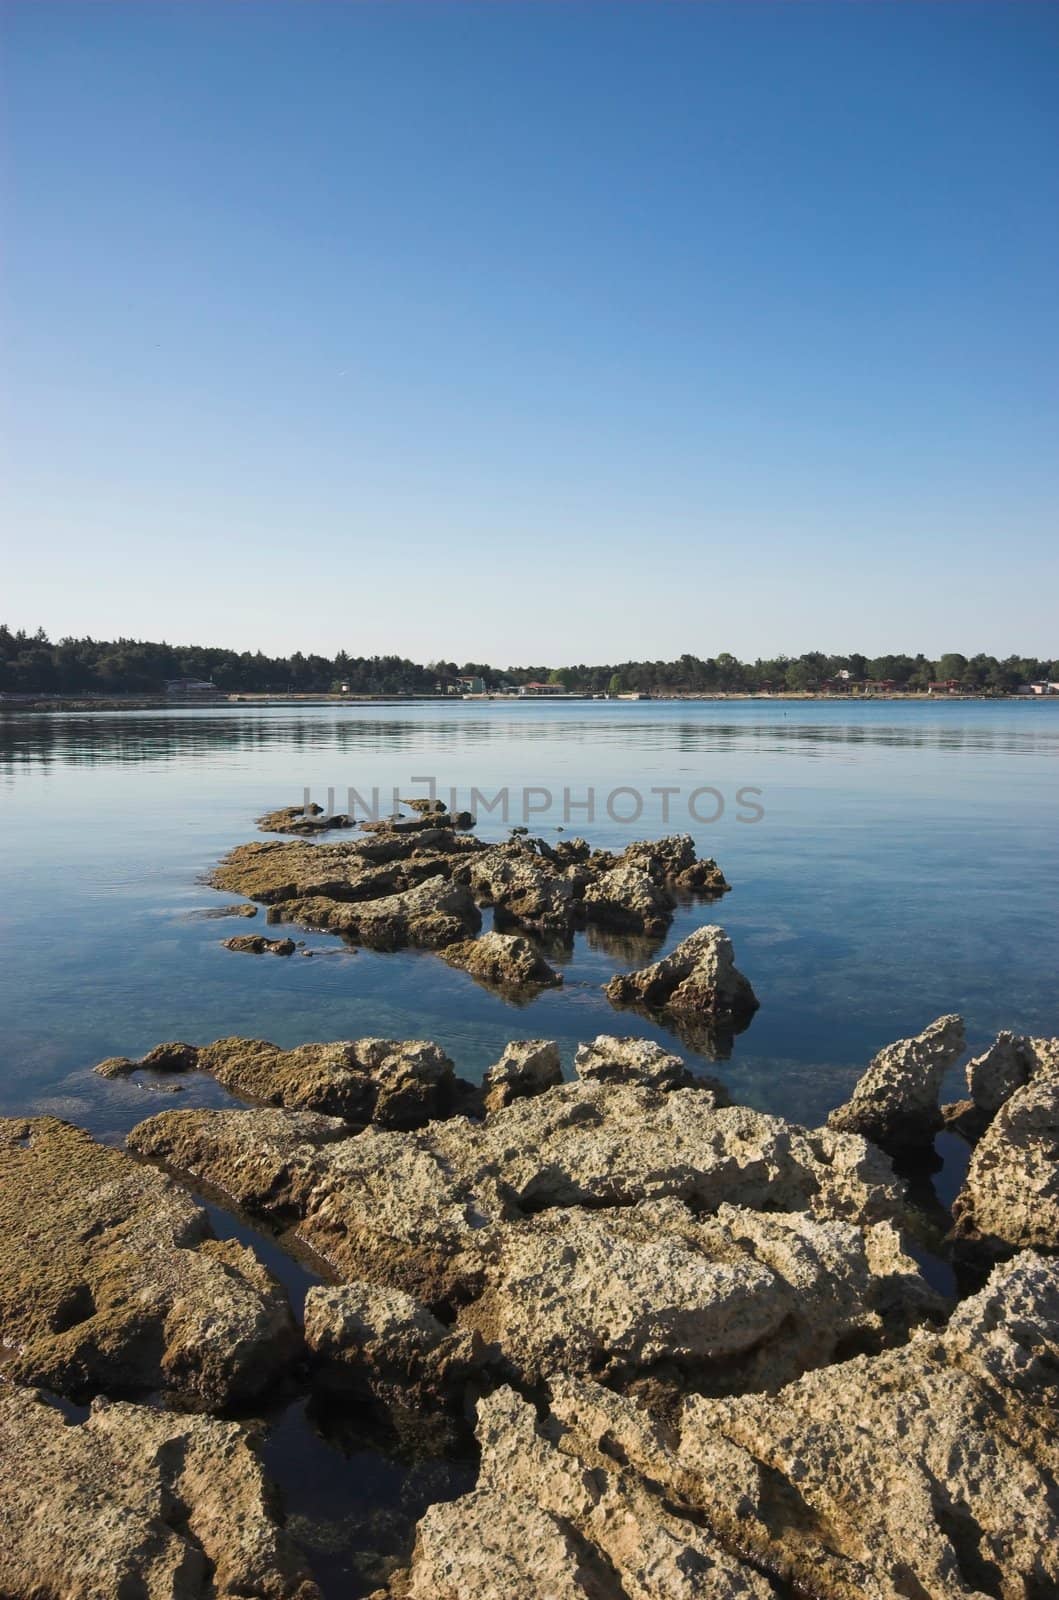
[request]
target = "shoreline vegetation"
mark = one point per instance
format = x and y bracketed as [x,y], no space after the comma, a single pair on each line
[86,673]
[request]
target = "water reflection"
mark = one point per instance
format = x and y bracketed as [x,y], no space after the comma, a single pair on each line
[28,739]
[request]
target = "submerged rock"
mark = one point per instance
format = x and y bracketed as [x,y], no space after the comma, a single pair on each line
[112,1281]
[303,819]
[526,1067]
[502,961]
[697,979]
[139,1502]
[256,944]
[173,1056]
[395,1083]
[895,1102]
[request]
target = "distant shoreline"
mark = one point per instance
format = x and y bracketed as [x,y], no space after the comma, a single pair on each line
[39,703]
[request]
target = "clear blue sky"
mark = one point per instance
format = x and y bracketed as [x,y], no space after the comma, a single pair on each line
[532,332]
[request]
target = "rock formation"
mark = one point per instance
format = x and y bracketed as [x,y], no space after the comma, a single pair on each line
[895,1102]
[421,880]
[112,1282]
[697,980]
[928,1469]
[1010,1197]
[256,944]
[136,1502]
[395,1083]
[503,961]
[526,1067]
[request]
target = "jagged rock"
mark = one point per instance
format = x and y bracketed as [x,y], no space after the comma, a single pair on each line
[396,1083]
[430,915]
[895,1102]
[302,819]
[628,898]
[1011,1193]
[736,1299]
[502,960]
[136,1502]
[612,1060]
[256,944]
[557,1513]
[926,1470]
[1010,1061]
[420,1211]
[527,1067]
[673,861]
[698,978]
[523,885]
[111,1278]
[388,1344]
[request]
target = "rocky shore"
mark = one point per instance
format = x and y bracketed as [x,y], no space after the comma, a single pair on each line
[698,1350]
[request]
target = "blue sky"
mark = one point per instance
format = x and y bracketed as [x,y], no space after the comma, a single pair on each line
[532,331]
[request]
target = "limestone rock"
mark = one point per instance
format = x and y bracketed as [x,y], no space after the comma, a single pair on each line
[737,1299]
[609,1059]
[358,869]
[396,1083]
[628,898]
[673,861]
[139,1502]
[256,944]
[523,885]
[699,978]
[432,914]
[389,1344]
[557,1513]
[173,1056]
[895,1102]
[926,1470]
[1010,1061]
[421,1211]
[302,819]
[112,1281]
[1011,1193]
[503,961]
[526,1067]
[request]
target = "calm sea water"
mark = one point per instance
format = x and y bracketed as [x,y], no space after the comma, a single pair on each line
[906,864]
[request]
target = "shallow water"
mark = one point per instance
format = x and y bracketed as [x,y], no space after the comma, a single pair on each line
[905,865]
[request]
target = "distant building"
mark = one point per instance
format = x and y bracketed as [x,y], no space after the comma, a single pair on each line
[880,685]
[1038,688]
[541,689]
[192,689]
[471,685]
[946,686]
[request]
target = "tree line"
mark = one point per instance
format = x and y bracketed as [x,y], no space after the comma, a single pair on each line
[31,663]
